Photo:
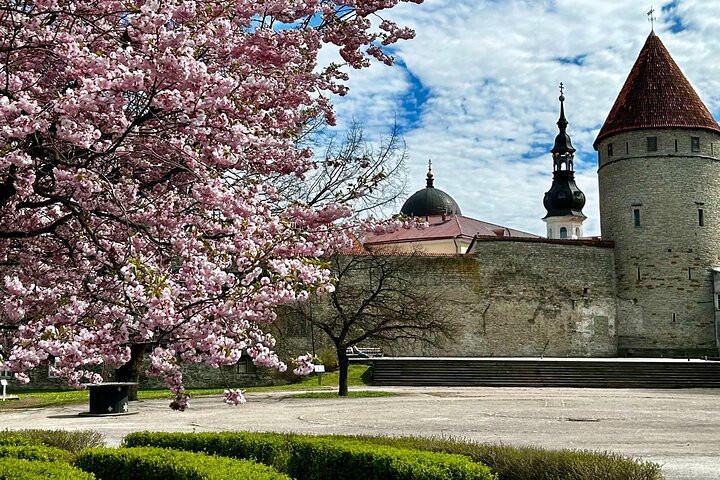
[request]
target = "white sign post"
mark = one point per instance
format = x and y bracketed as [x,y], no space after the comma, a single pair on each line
[319,370]
[4,385]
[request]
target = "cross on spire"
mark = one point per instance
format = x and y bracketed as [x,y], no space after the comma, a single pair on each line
[651,18]
[562,88]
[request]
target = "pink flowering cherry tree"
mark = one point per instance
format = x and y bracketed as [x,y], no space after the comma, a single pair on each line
[136,142]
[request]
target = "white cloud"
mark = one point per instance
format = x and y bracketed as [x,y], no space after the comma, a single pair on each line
[492,70]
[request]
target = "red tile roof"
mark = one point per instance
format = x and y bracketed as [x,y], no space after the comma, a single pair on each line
[656,94]
[454,226]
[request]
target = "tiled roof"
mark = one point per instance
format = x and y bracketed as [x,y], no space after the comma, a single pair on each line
[454,226]
[656,94]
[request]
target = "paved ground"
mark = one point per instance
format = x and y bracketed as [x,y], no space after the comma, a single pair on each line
[677,428]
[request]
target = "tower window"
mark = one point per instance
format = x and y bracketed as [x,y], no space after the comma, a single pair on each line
[627,148]
[676,147]
[701,217]
[652,144]
[689,273]
[610,150]
[674,317]
[695,144]
[638,274]
[563,232]
[636,217]
[577,232]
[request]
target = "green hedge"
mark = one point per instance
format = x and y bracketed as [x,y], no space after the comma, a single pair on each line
[267,448]
[533,463]
[329,459]
[162,464]
[314,458]
[510,463]
[19,469]
[34,452]
[7,440]
[70,440]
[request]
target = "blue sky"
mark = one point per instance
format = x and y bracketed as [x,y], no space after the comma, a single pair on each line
[477,91]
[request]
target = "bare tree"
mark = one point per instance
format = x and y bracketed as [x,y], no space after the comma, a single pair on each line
[377,298]
[366,174]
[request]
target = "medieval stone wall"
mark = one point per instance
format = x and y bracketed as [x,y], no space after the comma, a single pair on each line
[529,297]
[663,254]
[518,297]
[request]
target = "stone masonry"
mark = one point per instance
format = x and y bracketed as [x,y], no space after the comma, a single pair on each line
[650,206]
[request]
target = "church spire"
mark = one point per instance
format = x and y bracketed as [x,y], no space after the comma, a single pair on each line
[563,145]
[564,201]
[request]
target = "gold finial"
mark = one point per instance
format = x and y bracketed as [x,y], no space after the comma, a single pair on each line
[651,18]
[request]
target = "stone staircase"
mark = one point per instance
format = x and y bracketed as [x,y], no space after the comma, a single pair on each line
[545,372]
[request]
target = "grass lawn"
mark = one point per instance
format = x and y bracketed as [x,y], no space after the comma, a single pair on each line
[44,398]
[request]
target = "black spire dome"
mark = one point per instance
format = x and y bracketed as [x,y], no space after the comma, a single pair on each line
[564,197]
[430,201]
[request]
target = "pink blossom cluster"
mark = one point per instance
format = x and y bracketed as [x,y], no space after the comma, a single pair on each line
[140,143]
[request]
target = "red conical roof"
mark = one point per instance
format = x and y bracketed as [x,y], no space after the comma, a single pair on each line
[656,94]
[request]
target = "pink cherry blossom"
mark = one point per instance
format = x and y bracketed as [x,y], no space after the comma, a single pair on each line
[141,143]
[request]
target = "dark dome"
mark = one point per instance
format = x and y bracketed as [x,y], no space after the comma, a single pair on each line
[429,201]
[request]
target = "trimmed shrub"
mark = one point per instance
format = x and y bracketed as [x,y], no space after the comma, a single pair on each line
[34,452]
[19,469]
[267,448]
[315,458]
[510,463]
[162,464]
[533,463]
[7,440]
[329,459]
[70,440]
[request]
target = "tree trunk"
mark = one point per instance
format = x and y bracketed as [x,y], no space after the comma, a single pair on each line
[130,372]
[343,364]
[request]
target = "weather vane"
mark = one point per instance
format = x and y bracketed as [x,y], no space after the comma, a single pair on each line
[429,165]
[651,18]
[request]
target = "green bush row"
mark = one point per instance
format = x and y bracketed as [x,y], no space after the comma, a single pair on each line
[70,440]
[314,458]
[162,464]
[34,452]
[510,463]
[20,469]
[533,463]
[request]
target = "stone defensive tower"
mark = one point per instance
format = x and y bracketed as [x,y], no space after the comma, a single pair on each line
[659,186]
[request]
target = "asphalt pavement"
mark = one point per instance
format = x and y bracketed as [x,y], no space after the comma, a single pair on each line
[679,429]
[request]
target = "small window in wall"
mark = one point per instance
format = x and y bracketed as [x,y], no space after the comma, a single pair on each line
[676,147]
[577,232]
[638,277]
[689,273]
[652,144]
[701,217]
[674,317]
[5,373]
[627,148]
[636,217]
[610,150]
[695,144]
[563,232]
[246,366]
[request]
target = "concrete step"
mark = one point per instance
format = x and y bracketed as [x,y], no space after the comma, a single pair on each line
[608,373]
